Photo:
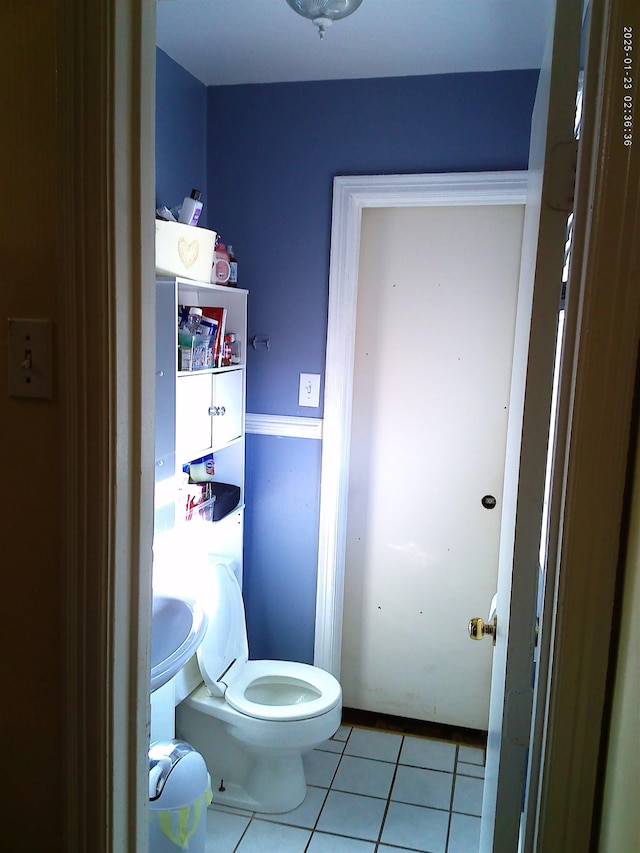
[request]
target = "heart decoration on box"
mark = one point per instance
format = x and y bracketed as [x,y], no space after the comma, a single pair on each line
[188,251]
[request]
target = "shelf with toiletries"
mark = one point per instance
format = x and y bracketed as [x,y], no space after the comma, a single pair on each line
[211,502]
[222,311]
[201,411]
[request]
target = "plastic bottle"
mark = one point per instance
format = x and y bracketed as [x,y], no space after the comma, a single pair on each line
[207,327]
[227,349]
[221,265]
[193,320]
[187,331]
[191,208]
[233,264]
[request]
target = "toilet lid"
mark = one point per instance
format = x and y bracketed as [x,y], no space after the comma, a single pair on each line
[225,640]
[281,690]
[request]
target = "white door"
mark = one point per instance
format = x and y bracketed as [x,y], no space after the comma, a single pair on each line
[432,368]
[549,198]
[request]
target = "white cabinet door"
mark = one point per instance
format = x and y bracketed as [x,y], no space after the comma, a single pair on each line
[226,408]
[193,421]
[209,412]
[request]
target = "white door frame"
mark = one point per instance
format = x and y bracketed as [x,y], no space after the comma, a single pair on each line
[351,195]
[106,280]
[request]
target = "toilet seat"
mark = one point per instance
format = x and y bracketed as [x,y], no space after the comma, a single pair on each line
[264,689]
[281,690]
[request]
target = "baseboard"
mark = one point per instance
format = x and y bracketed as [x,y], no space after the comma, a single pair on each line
[421,728]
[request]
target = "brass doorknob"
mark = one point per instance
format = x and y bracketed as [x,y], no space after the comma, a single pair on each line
[478,628]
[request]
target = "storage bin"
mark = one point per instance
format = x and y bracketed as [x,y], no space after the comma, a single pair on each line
[196,501]
[227,498]
[182,250]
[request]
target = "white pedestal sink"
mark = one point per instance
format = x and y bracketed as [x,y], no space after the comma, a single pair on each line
[177,629]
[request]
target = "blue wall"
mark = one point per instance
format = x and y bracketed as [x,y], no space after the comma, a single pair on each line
[281,545]
[270,169]
[181,160]
[272,153]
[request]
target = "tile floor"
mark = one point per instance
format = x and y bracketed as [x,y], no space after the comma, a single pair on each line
[369,792]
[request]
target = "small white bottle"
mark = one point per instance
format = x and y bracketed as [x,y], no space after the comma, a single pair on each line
[191,208]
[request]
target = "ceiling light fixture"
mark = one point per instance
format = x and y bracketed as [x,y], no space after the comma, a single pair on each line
[323,12]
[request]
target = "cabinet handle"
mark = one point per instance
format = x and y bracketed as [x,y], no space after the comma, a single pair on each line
[215,411]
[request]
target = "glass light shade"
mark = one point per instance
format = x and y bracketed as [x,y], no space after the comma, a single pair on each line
[323,12]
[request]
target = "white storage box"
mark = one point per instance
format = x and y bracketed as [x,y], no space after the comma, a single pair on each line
[185,251]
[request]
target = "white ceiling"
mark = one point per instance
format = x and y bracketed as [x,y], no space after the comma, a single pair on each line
[224,42]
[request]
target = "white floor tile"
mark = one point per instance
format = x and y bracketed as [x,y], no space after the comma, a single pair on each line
[423,787]
[364,776]
[220,807]
[265,837]
[464,834]
[342,733]
[332,745]
[352,815]
[383,848]
[319,767]
[471,754]
[416,827]
[465,769]
[366,743]
[322,842]
[467,795]
[307,812]
[434,754]
[224,830]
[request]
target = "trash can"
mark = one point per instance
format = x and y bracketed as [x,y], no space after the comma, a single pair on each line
[179,793]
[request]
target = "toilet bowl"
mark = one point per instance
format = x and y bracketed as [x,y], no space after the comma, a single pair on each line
[253,720]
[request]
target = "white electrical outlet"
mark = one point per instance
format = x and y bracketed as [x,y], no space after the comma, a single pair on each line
[309,391]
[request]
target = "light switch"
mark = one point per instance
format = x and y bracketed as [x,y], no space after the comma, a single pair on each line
[30,356]
[309,391]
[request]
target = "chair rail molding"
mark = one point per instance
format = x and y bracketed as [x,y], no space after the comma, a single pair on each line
[283,425]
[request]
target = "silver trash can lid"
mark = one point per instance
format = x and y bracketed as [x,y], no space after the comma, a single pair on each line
[163,758]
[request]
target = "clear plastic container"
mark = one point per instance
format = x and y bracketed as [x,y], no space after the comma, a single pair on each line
[193,320]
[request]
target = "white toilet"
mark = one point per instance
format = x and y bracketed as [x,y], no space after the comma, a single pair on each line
[253,720]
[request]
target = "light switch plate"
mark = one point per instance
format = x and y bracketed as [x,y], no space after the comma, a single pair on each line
[309,390]
[30,357]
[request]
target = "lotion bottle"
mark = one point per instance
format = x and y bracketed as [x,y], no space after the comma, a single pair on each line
[191,208]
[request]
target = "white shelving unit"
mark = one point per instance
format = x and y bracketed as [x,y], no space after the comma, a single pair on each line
[199,412]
